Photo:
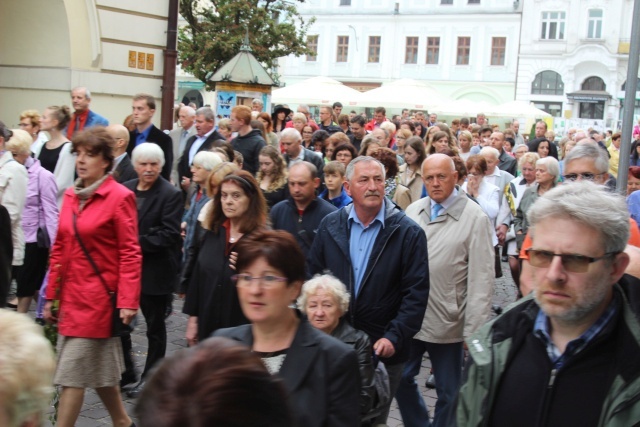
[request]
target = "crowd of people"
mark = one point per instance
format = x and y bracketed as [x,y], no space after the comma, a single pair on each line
[326,256]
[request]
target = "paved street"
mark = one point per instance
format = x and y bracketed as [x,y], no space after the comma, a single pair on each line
[94,414]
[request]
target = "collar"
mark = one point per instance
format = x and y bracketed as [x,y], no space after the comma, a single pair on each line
[496,172]
[144,132]
[449,200]
[118,159]
[206,135]
[379,216]
[300,155]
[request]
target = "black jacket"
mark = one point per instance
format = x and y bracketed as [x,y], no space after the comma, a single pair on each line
[319,372]
[184,168]
[159,229]
[284,216]
[6,255]
[313,158]
[124,171]
[395,287]
[164,141]
[249,146]
[508,163]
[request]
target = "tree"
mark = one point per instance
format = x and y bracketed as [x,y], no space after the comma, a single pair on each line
[217,28]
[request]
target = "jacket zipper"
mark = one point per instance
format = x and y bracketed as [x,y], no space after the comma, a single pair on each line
[547,398]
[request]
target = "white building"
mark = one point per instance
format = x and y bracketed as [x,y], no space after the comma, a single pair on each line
[573,58]
[467,49]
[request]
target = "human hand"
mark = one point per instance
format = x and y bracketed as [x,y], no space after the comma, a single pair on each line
[185,183]
[127,314]
[501,233]
[191,333]
[384,348]
[233,258]
[48,314]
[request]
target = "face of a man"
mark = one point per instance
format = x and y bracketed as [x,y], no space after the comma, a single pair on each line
[303,111]
[357,130]
[301,186]
[337,110]
[380,136]
[186,120]
[481,120]
[325,116]
[291,146]
[433,118]
[497,140]
[148,171]
[492,162]
[540,130]
[378,117]
[584,168]
[142,114]
[79,100]
[366,186]
[235,122]
[515,126]
[256,107]
[439,177]
[203,127]
[565,296]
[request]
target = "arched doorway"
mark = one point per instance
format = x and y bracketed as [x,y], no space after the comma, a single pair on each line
[594,108]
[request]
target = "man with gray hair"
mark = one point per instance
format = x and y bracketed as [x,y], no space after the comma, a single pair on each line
[83,117]
[257,105]
[515,127]
[574,343]
[180,136]
[294,152]
[381,255]
[160,209]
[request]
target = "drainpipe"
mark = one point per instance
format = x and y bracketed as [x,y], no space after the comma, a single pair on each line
[169,72]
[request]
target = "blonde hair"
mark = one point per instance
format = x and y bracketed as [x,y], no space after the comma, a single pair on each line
[20,142]
[32,115]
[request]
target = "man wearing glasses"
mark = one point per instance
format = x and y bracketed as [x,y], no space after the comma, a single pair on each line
[567,354]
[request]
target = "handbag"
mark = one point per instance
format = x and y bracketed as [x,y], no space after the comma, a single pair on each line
[42,236]
[117,327]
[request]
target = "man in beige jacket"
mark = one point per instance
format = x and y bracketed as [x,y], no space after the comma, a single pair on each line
[461,273]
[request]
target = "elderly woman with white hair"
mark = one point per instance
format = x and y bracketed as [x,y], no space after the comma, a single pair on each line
[203,163]
[324,299]
[547,174]
[39,219]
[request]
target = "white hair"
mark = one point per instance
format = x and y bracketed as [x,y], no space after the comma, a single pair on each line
[553,168]
[291,133]
[190,111]
[207,160]
[490,151]
[328,283]
[148,151]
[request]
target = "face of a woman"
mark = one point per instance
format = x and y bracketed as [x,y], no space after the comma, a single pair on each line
[441,144]
[200,174]
[264,122]
[27,126]
[344,157]
[46,122]
[281,115]
[372,148]
[410,155]
[323,311]
[224,132]
[234,200]
[328,149]
[405,126]
[90,167]
[266,165]
[475,174]
[543,149]
[529,172]
[633,184]
[298,125]
[465,144]
[542,176]
[265,300]
[507,146]
[417,131]
[306,133]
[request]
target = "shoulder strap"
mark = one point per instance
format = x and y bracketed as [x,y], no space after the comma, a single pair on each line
[86,253]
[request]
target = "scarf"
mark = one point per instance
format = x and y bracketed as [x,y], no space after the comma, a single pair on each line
[85,193]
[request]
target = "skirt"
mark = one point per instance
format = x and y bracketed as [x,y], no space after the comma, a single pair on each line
[89,362]
[33,270]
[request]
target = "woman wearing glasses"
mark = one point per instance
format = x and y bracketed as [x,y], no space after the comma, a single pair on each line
[239,209]
[319,372]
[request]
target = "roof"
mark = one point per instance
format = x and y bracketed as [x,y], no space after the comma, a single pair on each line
[243,68]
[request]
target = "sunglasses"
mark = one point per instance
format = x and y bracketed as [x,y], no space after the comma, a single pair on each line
[570,262]
[587,175]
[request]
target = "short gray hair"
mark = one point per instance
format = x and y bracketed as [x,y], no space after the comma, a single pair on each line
[528,157]
[190,111]
[291,133]
[588,204]
[207,112]
[87,93]
[490,150]
[257,101]
[351,167]
[207,160]
[149,151]
[589,151]
[553,168]
[328,283]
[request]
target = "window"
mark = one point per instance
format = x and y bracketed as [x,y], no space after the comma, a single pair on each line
[446,1]
[553,108]
[433,50]
[464,49]
[312,45]
[411,52]
[552,26]
[498,49]
[374,49]
[547,83]
[345,2]
[595,24]
[343,49]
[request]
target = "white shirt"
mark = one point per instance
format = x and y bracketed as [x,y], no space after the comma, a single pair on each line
[197,144]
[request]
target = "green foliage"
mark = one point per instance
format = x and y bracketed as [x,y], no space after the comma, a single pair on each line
[216,30]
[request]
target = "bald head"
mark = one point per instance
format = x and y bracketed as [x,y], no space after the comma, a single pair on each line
[121,135]
[439,176]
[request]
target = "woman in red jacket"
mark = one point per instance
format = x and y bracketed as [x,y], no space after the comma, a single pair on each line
[99,214]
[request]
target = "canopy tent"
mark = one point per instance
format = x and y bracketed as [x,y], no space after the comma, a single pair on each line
[518,109]
[404,93]
[463,108]
[315,91]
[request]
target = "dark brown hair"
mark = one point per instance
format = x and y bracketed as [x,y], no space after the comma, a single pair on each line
[256,215]
[416,143]
[344,147]
[478,162]
[97,141]
[388,158]
[219,382]
[62,114]
[279,248]
[150,100]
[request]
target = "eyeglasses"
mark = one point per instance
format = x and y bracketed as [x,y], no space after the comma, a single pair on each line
[587,175]
[265,282]
[570,262]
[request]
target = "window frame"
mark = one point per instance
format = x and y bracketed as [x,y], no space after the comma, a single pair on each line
[496,50]
[557,90]
[434,49]
[342,49]
[411,49]
[313,46]
[597,22]
[547,22]
[374,46]
[460,50]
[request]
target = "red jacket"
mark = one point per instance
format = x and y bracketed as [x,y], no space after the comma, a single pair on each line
[108,226]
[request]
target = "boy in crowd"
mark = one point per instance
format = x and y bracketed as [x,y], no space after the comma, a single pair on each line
[333,179]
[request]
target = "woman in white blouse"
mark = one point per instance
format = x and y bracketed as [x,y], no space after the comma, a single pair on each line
[487,195]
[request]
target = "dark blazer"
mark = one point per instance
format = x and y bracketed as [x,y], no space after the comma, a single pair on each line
[508,163]
[159,230]
[6,255]
[320,373]
[313,158]
[164,141]
[184,168]
[124,171]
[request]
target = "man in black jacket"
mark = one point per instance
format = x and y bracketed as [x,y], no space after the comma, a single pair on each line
[6,255]
[300,214]
[294,152]
[381,255]
[159,214]
[249,141]
[205,138]
[144,107]
[123,170]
